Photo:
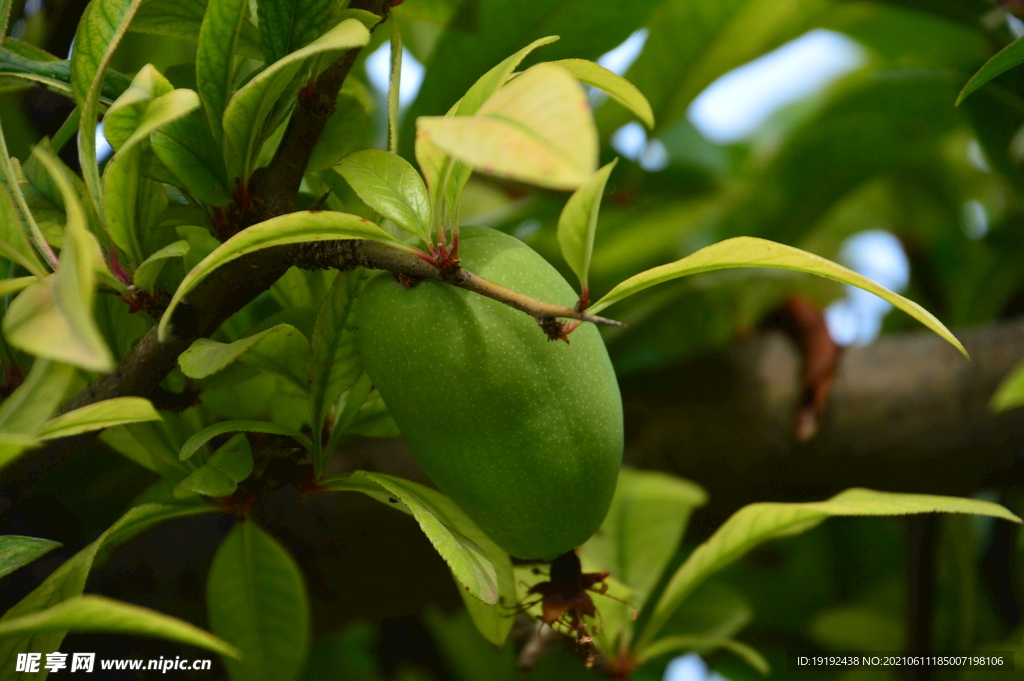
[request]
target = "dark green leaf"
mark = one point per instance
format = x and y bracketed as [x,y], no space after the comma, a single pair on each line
[56,74]
[219,477]
[288,25]
[188,149]
[334,364]
[201,437]
[182,19]
[1010,56]
[215,58]
[257,602]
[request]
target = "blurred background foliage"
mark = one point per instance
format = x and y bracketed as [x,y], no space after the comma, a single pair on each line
[826,124]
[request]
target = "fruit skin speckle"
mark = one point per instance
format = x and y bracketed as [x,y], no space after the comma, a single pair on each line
[523,434]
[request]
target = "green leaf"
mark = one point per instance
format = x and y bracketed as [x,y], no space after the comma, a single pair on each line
[536,129]
[219,37]
[10,178]
[286,229]
[99,614]
[14,242]
[219,477]
[122,175]
[100,30]
[281,349]
[53,318]
[146,273]
[346,412]
[643,529]
[249,107]
[125,114]
[334,363]
[388,184]
[288,25]
[16,552]
[257,601]
[578,224]
[614,85]
[1006,59]
[496,78]
[9,286]
[752,252]
[677,644]
[757,523]
[56,74]
[484,32]
[182,20]
[194,443]
[99,415]
[189,151]
[68,580]
[483,569]
[1011,391]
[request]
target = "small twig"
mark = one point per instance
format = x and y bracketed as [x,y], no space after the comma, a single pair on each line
[345,255]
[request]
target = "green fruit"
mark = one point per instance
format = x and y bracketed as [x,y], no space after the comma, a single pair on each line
[524,434]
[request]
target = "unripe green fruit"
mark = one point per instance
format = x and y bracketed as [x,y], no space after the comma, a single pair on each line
[524,434]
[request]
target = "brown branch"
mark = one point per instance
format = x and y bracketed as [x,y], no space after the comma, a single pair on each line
[345,255]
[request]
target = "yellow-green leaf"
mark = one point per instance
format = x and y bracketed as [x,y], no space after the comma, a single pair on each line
[616,87]
[578,223]
[146,273]
[537,129]
[287,229]
[758,523]
[99,614]
[194,443]
[53,318]
[14,241]
[113,412]
[747,251]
